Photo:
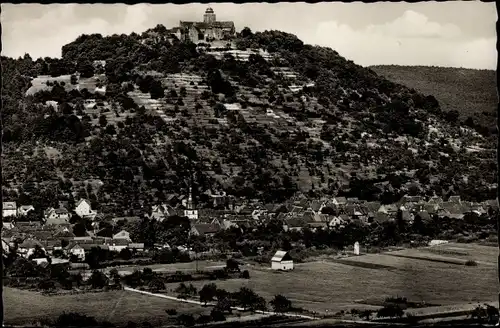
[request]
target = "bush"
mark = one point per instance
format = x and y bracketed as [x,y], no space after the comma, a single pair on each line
[186,320]
[217,315]
[471,263]
[281,304]
[203,319]
[171,311]
[245,275]
[391,311]
[75,320]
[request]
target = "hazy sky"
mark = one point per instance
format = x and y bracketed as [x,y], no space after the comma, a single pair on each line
[455,33]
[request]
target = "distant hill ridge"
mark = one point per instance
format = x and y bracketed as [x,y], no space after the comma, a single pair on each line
[472,92]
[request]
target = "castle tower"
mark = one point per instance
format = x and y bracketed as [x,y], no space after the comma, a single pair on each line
[209,16]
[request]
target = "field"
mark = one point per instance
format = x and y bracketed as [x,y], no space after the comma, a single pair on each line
[24,307]
[368,279]
[39,83]
[435,275]
[184,267]
[470,92]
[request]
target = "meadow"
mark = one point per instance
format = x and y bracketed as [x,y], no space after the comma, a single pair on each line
[329,286]
[23,307]
[326,286]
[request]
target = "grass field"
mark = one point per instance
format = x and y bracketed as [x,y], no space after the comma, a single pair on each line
[24,307]
[327,285]
[336,285]
[39,83]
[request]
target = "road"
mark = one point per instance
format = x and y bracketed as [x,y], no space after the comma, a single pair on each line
[292,315]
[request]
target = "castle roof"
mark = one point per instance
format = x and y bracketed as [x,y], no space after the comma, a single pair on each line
[205,26]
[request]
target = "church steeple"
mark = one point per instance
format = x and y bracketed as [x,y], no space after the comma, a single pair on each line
[190,205]
[209,16]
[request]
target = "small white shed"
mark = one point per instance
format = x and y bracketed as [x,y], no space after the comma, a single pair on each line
[282,261]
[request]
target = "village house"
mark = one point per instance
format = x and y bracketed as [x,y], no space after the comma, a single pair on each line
[76,250]
[388,209]
[435,200]
[282,261]
[138,247]
[58,216]
[160,212]
[27,247]
[208,30]
[339,201]
[9,209]
[336,221]
[204,229]
[84,209]
[23,210]
[8,225]
[117,245]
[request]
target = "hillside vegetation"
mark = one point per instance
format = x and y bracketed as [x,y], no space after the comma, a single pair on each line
[303,119]
[471,92]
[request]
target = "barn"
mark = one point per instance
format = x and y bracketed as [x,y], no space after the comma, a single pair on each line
[282,261]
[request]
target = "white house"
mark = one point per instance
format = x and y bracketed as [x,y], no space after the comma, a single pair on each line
[160,212]
[122,235]
[9,209]
[57,216]
[84,209]
[24,210]
[77,251]
[117,245]
[282,261]
[336,221]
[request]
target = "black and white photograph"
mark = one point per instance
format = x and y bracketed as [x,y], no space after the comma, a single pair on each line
[226,165]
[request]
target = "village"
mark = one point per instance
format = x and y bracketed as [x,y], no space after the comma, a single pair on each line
[55,232]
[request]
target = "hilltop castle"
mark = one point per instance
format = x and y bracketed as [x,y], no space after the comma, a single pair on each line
[208,30]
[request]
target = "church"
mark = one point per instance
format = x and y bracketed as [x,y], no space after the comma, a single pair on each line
[208,30]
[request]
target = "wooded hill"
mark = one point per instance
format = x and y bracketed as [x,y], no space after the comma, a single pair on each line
[258,125]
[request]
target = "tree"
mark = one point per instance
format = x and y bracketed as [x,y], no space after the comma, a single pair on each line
[98,279]
[85,68]
[157,90]
[103,121]
[281,304]
[246,32]
[156,285]
[452,116]
[391,311]
[79,229]
[208,293]
[248,299]
[115,276]
[232,265]
[245,274]
[125,254]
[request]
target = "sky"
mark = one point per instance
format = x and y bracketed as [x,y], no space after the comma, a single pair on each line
[450,34]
